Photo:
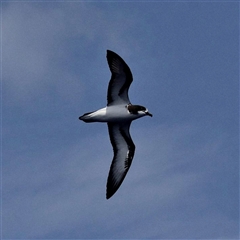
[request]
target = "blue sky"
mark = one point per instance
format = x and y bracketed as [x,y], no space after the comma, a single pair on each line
[184,180]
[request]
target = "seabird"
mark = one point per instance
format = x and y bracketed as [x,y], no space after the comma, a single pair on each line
[119,113]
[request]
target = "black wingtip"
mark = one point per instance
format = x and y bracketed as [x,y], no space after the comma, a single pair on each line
[111,189]
[109,194]
[111,53]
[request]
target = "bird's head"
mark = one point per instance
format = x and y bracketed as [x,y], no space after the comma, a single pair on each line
[137,109]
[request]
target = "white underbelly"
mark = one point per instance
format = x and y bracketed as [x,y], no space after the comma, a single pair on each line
[111,114]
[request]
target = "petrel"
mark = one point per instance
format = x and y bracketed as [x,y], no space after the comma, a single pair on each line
[119,113]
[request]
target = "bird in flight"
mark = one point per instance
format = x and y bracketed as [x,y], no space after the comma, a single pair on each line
[119,113]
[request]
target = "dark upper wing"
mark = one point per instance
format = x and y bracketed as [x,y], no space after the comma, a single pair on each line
[123,148]
[120,81]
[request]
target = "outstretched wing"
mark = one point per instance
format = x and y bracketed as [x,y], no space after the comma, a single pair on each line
[120,81]
[123,148]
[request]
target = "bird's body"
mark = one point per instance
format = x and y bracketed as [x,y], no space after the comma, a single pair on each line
[119,113]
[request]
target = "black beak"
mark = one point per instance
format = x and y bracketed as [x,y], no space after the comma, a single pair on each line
[149,114]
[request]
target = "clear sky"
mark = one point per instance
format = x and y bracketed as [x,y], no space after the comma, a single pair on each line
[184,179]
